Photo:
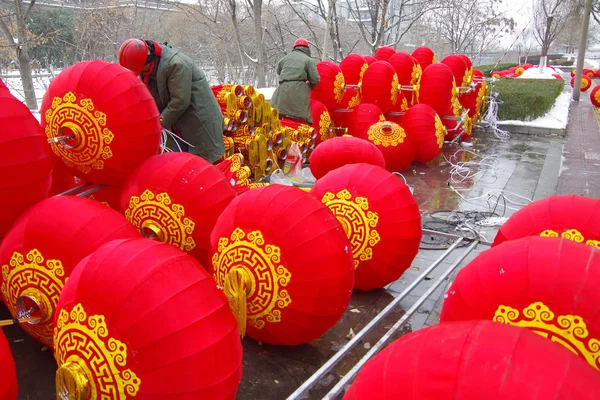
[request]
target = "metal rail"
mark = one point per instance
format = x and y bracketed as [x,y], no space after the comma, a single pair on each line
[337,357]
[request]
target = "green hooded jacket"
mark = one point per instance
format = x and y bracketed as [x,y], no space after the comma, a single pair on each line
[297,76]
[185,99]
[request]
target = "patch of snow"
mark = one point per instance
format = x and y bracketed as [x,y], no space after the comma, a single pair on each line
[594,64]
[556,118]
[267,92]
[13,82]
[534,73]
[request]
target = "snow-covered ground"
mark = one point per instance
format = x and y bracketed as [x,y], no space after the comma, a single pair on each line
[534,73]
[267,92]
[556,118]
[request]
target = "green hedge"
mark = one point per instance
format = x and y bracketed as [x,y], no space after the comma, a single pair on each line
[526,99]
[486,69]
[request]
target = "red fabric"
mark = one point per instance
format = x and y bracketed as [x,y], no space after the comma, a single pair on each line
[436,88]
[343,150]
[558,213]
[342,118]
[424,56]
[378,86]
[403,64]
[351,67]
[586,83]
[595,96]
[190,182]
[110,196]
[469,100]
[131,117]
[64,228]
[313,248]
[458,66]
[25,161]
[321,121]
[384,53]
[182,340]
[398,225]
[370,59]
[397,147]
[419,124]
[363,117]
[327,91]
[561,274]
[8,372]
[474,360]
[62,178]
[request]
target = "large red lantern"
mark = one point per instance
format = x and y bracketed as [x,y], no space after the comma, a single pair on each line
[586,83]
[474,360]
[343,150]
[438,90]
[571,217]
[177,198]
[286,263]
[370,59]
[595,96]
[140,319]
[25,161]
[321,121]
[39,253]
[384,53]
[330,89]
[8,372]
[62,179]
[103,120]
[353,67]
[363,117]
[397,148]
[342,115]
[380,86]
[110,196]
[422,124]
[547,285]
[380,216]
[409,73]
[460,69]
[425,56]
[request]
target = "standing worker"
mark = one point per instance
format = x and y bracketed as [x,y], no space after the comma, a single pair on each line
[297,76]
[184,98]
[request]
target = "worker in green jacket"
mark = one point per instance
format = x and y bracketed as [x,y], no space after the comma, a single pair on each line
[297,76]
[184,98]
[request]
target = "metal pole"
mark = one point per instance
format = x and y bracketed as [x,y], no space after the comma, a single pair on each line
[581,53]
[344,381]
[310,382]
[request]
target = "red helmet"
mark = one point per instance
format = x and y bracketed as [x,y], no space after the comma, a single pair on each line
[301,42]
[133,55]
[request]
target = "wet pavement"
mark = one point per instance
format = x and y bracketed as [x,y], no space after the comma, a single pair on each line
[527,166]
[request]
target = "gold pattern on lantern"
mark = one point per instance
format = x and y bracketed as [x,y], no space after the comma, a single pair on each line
[597,96]
[363,69]
[395,88]
[88,144]
[325,130]
[355,100]
[570,234]
[386,134]
[440,131]
[84,340]
[358,221]
[37,278]
[567,330]
[338,87]
[415,76]
[261,263]
[165,218]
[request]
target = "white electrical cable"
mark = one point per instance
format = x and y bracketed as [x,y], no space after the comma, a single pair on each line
[491,117]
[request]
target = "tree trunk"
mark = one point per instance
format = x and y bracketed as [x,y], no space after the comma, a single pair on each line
[261,71]
[23,57]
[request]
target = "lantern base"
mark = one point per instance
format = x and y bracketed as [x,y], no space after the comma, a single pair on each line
[71,383]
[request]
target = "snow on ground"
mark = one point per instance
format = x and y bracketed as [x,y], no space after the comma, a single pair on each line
[267,92]
[556,118]
[593,64]
[534,73]
[13,82]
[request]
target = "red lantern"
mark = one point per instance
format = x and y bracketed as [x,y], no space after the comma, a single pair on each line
[474,360]
[370,59]
[588,72]
[110,196]
[595,96]
[321,121]
[25,161]
[384,53]
[380,217]
[363,117]
[341,116]
[438,90]
[547,285]
[293,258]
[8,372]
[397,148]
[460,69]
[409,73]
[380,86]
[330,89]
[478,75]
[177,198]
[586,83]
[140,319]
[424,56]
[39,253]
[353,67]
[424,126]
[339,151]
[557,76]
[103,119]
[62,179]
[571,217]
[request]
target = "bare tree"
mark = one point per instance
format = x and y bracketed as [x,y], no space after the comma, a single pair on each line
[550,18]
[15,21]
